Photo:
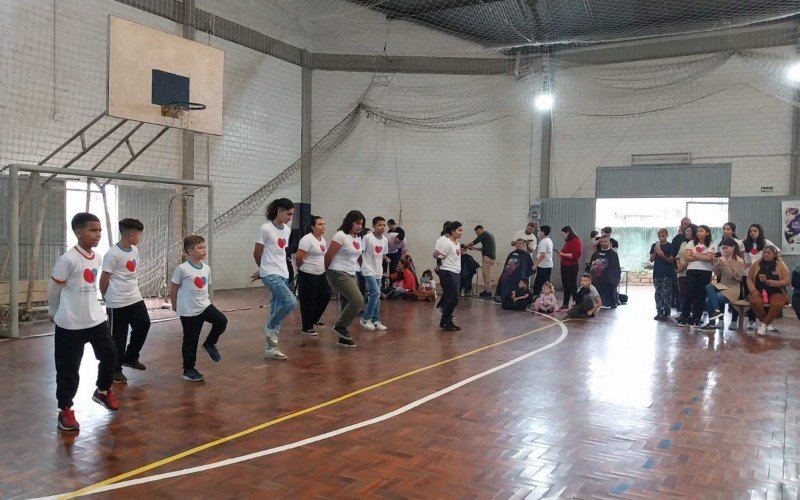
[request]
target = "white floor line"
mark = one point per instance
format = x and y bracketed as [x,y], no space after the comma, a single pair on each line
[327,435]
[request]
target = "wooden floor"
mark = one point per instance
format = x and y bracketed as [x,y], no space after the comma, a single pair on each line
[620,406]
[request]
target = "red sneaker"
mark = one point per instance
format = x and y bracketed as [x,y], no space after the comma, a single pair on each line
[66,420]
[108,400]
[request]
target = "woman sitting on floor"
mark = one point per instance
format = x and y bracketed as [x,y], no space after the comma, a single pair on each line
[427,287]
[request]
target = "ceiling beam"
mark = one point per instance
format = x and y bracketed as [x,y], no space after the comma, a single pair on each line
[395,14]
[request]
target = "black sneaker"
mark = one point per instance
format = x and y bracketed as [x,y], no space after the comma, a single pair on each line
[342,332]
[485,294]
[658,317]
[120,377]
[458,328]
[192,375]
[309,331]
[136,365]
[710,326]
[319,323]
[213,353]
[449,328]
[716,314]
[346,342]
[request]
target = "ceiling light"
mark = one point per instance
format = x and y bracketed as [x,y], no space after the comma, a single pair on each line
[545,101]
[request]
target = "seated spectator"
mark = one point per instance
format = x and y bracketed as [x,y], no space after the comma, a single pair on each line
[518,266]
[728,266]
[767,279]
[402,283]
[547,301]
[469,267]
[588,300]
[520,299]
[427,287]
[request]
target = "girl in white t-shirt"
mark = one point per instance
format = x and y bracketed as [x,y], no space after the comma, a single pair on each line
[699,255]
[270,256]
[448,250]
[312,285]
[341,265]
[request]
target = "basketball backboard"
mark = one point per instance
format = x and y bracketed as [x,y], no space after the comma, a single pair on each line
[148,69]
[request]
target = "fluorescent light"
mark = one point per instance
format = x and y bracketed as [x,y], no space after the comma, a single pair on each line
[793,73]
[545,101]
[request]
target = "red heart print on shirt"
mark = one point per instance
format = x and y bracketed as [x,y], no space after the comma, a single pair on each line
[356,245]
[699,248]
[322,247]
[281,243]
[753,251]
[90,274]
[378,249]
[200,282]
[131,265]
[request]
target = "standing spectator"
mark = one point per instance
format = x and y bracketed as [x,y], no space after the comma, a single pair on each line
[448,249]
[397,245]
[606,231]
[699,255]
[729,232]
[605,272]
[529,235]
[313,289]
[767,279]
[796,291]
[662,255]
[681,264]
[570,255]
[486,240]
[544,260]
[680,237]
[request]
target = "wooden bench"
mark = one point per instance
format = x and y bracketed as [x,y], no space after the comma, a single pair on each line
[741,306]
[39,293]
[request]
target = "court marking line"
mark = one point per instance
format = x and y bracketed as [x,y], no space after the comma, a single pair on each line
[117,482]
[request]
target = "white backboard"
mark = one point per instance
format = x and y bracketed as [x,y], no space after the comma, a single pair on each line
[136,50]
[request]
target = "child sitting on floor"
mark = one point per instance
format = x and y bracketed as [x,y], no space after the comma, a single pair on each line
[519,298]
[547,301]
[427,287]
[587,300]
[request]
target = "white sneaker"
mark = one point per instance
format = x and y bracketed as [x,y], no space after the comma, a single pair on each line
[367,324]
[762,329]
[379,326]
[771,328]
[274,353]
[272,337]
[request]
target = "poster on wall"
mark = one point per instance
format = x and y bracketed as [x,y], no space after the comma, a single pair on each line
[790,243]
[535,212]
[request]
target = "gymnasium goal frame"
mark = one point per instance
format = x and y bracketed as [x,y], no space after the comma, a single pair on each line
[14,171]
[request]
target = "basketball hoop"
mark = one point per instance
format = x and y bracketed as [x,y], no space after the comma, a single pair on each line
[177,109]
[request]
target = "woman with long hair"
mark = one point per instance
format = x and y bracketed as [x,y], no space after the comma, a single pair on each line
[680,267]
[570,255]
[768,277]
[341,265]
[754,245]
[312,285]
[699,255]
[448,250]
[270,255]
[729,269]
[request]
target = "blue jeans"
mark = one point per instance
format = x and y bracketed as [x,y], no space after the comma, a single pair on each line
[716,301]
[283,300]
[372,311]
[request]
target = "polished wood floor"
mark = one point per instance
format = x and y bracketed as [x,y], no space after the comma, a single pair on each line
[623,407]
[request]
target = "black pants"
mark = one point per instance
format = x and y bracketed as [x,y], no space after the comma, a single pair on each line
[135,316]
[314,293]
[796,305]
[68,355]
[509,305]
[394,259]
[191,332]
[696,281]
[542,277]
[449,299]
[569,280]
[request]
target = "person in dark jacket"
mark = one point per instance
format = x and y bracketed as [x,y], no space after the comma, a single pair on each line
[518,266]
[469,266]
[605,270]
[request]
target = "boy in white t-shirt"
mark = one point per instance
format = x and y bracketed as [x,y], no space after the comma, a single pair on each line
[124,303]
[79,318]
[189,296]
[375,248]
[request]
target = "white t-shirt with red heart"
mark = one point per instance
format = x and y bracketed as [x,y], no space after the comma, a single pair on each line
[451,254]
[78,273]
[374,250]
[275,241]
[754,255]
[346,259]
[699,249]
[123,286]
[192,288]
[315,249]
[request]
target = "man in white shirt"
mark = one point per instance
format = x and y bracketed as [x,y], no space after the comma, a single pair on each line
[544,260]
[529,235]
